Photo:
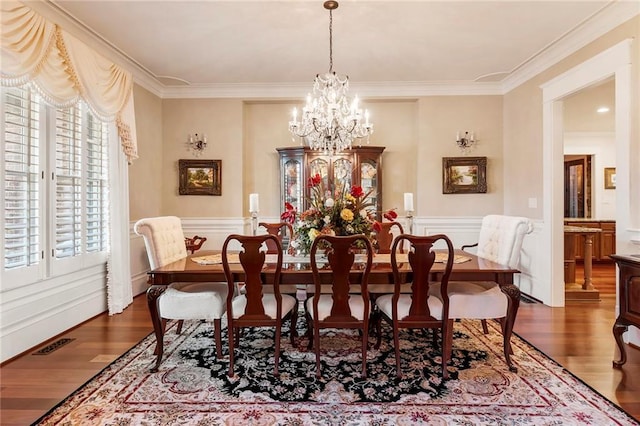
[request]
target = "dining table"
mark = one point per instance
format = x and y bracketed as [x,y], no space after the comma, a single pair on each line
[296,274]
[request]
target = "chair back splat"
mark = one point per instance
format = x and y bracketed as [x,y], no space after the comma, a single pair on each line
[280,230]
[384,236]
[342,308]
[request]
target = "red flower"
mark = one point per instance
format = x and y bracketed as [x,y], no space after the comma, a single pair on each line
[289,214]
[356,191]
[314,180]
[377,227]
[390,215]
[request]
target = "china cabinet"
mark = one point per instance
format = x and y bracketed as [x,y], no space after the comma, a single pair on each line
[358,166]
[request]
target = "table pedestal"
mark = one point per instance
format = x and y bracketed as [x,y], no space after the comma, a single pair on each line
[574,290]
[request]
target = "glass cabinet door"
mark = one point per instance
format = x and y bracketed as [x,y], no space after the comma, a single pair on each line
[320,166]
[342,174]
[292,183]
[369,182]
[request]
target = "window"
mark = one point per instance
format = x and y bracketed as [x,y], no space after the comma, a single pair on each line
[55,191]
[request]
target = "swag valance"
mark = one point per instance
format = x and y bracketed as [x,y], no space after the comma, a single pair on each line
[65,70]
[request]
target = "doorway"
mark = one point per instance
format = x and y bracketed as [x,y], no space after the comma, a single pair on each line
[613,62]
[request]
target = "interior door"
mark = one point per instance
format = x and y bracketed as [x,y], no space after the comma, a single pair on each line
[577,187]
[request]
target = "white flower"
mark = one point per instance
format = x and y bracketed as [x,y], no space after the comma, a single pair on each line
[363,214]
[327,219]
[329,203]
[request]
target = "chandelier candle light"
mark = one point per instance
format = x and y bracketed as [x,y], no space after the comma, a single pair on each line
[330,121]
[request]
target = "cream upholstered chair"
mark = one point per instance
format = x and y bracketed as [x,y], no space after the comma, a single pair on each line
[165,243]
[500,241]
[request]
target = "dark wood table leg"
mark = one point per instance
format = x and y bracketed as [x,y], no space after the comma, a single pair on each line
[153,293]
[618,330]
[513,297]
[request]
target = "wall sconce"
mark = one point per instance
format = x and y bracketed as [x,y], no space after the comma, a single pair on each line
[197,143]
[466,142]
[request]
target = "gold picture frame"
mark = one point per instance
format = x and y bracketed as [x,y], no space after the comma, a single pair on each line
[200,177]
[609,178]
[464,175]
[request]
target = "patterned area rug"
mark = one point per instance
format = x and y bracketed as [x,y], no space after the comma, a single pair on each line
[193,388]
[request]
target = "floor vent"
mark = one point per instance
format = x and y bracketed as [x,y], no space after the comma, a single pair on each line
[53,346]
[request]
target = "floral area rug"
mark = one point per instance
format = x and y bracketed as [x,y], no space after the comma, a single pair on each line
[193,388]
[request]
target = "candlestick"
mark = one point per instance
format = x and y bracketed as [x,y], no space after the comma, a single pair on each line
[408,201]
[254,223]
[254,203]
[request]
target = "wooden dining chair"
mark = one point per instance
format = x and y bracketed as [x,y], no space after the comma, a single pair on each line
[417,309]
[165,243]
[256,307]
[280,230]
[385,236]
[340,308]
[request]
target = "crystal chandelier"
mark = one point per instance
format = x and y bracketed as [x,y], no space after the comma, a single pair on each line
[330,121]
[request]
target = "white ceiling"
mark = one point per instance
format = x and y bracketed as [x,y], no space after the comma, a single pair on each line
[208,43]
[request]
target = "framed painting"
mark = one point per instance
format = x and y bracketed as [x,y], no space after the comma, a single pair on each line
[200,177]
[609,178]
[464,175]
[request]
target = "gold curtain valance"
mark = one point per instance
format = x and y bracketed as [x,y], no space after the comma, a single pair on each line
[64,70]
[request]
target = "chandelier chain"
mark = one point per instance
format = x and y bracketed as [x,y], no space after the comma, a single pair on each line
[330,41]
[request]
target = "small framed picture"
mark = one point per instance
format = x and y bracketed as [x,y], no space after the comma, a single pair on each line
[609,178]
[200,177]
[464,175]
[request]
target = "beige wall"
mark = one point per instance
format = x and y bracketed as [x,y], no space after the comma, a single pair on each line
[417,133]
[523,123]
[145,186]
[221,121]
[439,118]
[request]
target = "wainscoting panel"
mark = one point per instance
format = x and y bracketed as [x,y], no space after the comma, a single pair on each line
[32,314]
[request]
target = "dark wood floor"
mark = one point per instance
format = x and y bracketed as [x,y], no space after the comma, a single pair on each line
[577,336]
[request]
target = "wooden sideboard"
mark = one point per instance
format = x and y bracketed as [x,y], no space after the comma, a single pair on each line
[628,299]
[604,243]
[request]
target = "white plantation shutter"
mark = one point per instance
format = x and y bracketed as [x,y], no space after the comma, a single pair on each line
[55,170]
[22,179]
[68,178]
[97,178]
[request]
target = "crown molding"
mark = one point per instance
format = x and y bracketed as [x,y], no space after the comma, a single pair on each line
[390,89]
[611,16]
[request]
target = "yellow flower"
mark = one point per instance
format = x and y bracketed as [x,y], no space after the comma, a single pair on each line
[313,233]
[350,198]
[347,215]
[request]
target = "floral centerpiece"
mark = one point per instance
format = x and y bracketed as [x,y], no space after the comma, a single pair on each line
[339,212]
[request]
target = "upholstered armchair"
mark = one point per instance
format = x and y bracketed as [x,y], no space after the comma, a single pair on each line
[165,243]
[500,241]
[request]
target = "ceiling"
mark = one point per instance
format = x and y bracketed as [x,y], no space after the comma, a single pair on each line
[275,43]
